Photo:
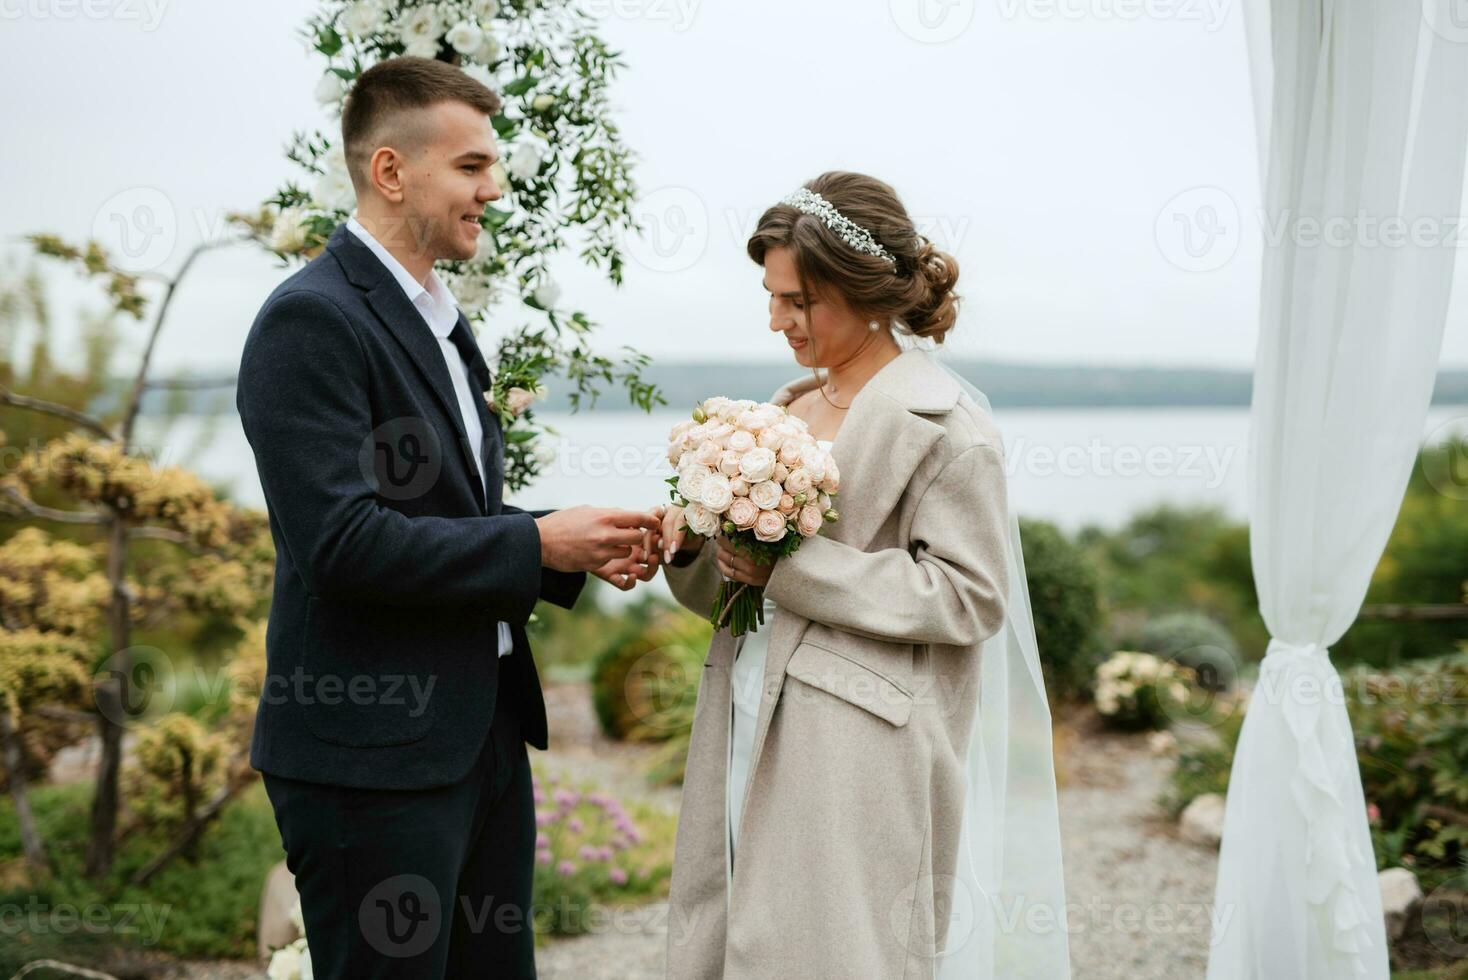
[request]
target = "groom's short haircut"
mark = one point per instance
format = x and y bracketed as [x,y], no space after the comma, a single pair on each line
[385,106]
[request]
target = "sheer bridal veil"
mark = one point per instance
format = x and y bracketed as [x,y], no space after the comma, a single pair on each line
[1006,905]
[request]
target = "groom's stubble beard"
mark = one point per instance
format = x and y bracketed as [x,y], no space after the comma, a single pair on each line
[419,237]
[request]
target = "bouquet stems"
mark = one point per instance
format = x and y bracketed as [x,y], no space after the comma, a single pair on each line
[740,607]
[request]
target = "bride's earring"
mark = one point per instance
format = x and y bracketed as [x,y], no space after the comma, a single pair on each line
[874,326]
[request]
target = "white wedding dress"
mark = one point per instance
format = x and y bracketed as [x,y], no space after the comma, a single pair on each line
[746,683]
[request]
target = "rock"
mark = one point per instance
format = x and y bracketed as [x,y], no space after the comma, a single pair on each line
[78,763]
[277,923]
[1400,896]
[1202,821]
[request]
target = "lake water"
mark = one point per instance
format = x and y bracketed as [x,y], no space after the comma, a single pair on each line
[1074,467]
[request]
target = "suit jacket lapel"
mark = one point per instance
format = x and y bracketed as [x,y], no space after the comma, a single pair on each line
[406,325]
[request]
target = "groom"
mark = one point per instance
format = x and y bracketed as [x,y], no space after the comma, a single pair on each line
[400,689]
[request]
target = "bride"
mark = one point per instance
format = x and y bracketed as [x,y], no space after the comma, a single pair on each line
[843,814]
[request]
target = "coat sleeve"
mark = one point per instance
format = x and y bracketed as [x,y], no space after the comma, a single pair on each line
[556,587]
[951,588]
[694,585]
[305,404]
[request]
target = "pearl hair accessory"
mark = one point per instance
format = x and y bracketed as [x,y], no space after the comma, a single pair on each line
[853,234]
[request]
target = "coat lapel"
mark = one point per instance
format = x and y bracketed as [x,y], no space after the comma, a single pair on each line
[406,325]
[877,449]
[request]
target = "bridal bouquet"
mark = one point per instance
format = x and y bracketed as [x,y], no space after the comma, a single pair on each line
[753,471]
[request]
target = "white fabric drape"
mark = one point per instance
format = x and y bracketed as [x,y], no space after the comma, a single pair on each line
[1363,109]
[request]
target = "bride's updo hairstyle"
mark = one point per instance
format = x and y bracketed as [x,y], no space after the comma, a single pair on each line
[914,291]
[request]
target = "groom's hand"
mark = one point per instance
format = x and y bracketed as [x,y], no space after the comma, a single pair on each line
[585,539]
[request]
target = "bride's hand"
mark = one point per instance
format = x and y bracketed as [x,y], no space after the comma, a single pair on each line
[674,535]
[742,568]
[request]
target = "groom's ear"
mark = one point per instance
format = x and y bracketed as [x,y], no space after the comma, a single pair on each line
[385,173]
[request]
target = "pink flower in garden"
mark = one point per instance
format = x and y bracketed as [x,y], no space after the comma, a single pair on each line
[566,797]
[618,876]
[541,840]
[539,796]
[575,824]
[1373,813]
[543,857]
[588,853]
[543,819]
[566,868]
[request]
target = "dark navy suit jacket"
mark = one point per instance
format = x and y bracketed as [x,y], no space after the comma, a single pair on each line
[392,568]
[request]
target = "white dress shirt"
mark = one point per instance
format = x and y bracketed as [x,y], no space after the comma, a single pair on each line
[440,312]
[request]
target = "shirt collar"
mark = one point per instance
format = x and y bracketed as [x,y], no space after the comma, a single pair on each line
[442,301]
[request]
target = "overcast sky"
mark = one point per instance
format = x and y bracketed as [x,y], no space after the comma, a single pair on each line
[1057,147]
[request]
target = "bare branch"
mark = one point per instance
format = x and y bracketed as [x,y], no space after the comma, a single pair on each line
[140,382]
[30,508]
[82,419]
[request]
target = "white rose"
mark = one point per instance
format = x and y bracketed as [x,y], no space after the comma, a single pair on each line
[489,52]
[713,406]
[546,294]
[729,463]
[690,482]
[474,292]
[771,438]
[524,162]
[331,89]
[798,482]
[485,9]
[719,432]
[757,465]
[701,520]
[811,519]
[743,513]
[707,454]
[740,441]
[739,486]
[421,48]
[770,526]
[420,24]
[824,502]
[285,964]
[715,493]
[480,74]
[790,451]
[766,495]
[288,233]
[307,972]
[465,37]
[334,190]
[364,18]
[814,460]
[781,474]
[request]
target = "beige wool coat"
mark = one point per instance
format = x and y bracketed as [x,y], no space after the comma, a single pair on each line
[856,782]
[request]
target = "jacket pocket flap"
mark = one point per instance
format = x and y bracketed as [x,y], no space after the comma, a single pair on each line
[850,681]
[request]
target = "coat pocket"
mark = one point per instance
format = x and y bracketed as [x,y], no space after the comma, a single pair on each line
[851,681]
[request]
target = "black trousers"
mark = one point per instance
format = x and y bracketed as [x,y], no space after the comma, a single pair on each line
[421,884]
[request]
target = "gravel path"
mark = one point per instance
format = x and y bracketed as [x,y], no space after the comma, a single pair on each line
[1140,897]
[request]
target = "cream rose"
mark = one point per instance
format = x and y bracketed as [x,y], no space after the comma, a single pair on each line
[798,482]
[766,495]
[701,520]
[743,513]
[790,452]
[719,432]
[810,520]
[741,441]
[715,492]
[770,526]
[771,438]
[729,463]
[787,504]
[781,474]
[739,486]
[757,465]
[707,453]
[815,460]
[690,482]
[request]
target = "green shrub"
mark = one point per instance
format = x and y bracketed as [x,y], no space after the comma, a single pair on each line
[644,685]
[1195,641]
[1063,597]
